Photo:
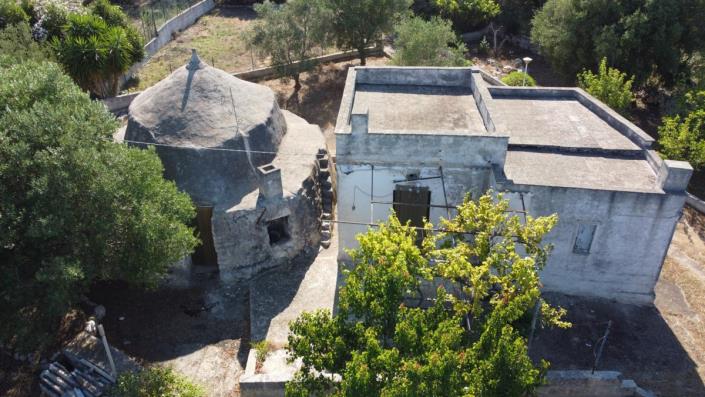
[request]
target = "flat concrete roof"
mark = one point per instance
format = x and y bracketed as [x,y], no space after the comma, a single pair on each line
[552,121]
[418,108]
[580,170]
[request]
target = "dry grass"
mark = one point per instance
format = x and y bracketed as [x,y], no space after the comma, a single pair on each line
[217,36]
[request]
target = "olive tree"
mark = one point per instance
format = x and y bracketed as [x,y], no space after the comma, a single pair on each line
[468,343]
[288,34]
[75,207]
[358,24]
[428,43]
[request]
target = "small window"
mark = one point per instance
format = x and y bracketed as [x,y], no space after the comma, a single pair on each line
[583,238]
[278,230]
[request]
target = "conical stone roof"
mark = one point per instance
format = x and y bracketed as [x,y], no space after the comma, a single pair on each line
[199,105]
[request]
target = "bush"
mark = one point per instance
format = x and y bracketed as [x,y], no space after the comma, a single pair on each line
[111,14]
[262,350]
[155,382]
[518,79]
[96,52]
[428,43]
[469,14]
[11,13]
[642,37]
[682,137]
[609,85]
[17,45]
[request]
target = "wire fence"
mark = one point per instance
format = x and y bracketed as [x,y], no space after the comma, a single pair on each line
[156,13]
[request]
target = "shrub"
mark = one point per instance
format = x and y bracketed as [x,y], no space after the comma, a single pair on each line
[95,52]
[609,85]
[428,43]
[17,45]
[111,14]
[155,382]
[518,79]
[682,137]
[469,13]
[11,13]
[261,350]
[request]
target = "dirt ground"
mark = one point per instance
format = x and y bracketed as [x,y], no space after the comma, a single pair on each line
[661,347]
[202,332]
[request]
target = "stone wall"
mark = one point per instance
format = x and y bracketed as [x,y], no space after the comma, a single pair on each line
[166,32]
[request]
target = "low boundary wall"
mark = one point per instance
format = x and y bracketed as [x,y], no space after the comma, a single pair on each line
[120,103]
[695,203]
[166,32]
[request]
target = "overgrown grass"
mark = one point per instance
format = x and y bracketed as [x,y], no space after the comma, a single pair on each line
[217,37]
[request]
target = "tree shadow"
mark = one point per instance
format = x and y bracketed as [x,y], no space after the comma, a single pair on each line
[640,345]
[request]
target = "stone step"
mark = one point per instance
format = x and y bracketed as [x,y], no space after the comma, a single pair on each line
[323,173]
[323,163]
[325,234]
[327,194]
[322,151]
[327,216]
[326,185]
[325,243]
[325,226]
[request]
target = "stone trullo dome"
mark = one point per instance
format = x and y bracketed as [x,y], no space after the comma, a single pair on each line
[249,167]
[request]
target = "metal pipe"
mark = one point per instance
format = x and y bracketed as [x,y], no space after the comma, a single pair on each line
[113,372]
[372,193]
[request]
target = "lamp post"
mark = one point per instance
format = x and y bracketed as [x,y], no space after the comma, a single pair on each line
[526,60]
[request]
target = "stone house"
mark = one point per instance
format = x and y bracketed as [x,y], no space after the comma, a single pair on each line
[418,139]
[251,168]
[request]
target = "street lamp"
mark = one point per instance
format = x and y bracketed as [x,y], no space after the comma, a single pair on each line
[526,60]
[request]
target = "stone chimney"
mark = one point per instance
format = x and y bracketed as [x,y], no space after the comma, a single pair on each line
[674,176]
[271,192]
[270,182]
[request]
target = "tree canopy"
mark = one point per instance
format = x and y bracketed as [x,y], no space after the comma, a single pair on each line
[288,34]
[682,136]
[75,207]
[641,38]
[469,13]
[471,342]
[428,43]
[17,45]
[359,24]
[609,85]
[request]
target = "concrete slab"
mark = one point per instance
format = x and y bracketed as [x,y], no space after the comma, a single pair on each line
[580,171]
[556,122]
[280,297]
[418,109]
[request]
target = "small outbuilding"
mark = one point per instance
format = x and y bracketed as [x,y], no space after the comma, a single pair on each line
[250,167]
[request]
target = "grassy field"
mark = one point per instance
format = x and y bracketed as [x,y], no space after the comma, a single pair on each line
[217,38]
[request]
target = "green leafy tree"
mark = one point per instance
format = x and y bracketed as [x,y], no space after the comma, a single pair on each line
[11,13]
[519,79]
[682,136]
[471,13]
[358,24]
[75,206]
[155,382]
[98,48]
[609,85]
[17,45]
[515,15]
[428,43]
[468,343]
[641,38]
[288,34]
